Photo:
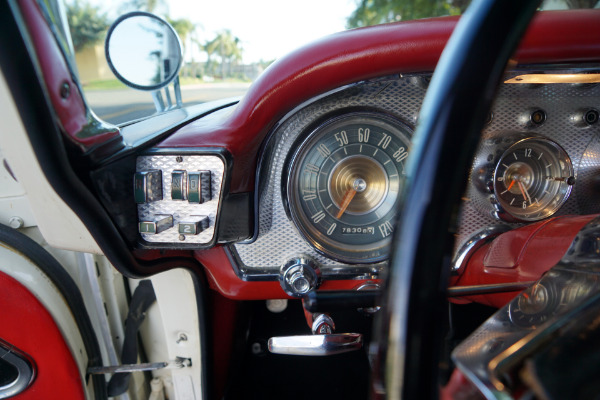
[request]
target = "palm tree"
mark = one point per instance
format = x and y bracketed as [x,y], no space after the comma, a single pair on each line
[227,47]
[145,5]
[87,23]
[185,29]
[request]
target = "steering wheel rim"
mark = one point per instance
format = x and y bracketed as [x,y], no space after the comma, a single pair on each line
[453,113]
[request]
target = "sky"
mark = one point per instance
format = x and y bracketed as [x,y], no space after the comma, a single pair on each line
[268,29]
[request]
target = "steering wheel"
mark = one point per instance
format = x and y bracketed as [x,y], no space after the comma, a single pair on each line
[452,116]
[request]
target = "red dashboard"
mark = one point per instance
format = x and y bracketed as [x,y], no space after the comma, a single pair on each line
[342,59]
[254,196]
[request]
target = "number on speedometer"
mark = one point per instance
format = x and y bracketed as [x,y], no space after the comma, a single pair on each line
[344,183]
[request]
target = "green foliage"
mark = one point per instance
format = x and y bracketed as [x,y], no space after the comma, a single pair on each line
[374,12]
[227,47]
[183,26]
[87,24]
[150,6]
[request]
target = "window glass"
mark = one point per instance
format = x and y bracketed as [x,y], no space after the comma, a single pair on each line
[228,44]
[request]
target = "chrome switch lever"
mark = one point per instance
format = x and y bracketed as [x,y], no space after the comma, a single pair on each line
[316,345]
[322,343]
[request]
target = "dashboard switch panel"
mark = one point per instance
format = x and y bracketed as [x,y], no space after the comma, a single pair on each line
[193,186]
[147,186]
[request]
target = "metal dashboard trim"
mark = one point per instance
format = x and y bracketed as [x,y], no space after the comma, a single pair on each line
[503,124]
[227,160]
[379,95]
[356,272]
[269,141]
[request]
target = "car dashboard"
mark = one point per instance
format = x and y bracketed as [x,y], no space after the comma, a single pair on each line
[294,191]
[537,159]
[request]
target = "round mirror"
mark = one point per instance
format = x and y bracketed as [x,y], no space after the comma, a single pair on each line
[143,51]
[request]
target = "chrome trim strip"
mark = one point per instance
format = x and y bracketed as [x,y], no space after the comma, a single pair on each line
[24,369]
[459,291]
[328,272]
[482,237]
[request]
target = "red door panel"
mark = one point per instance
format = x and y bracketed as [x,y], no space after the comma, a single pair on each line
[27,325]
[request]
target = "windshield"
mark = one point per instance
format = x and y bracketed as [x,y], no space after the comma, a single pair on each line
[228,44]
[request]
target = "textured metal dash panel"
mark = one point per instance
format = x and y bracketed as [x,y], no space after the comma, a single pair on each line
[182,210]
[278,238]
[513,104]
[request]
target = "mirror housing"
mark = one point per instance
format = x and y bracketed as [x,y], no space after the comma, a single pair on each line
[143,51]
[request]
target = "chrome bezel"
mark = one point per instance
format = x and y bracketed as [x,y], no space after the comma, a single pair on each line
[290,195]
[562,193]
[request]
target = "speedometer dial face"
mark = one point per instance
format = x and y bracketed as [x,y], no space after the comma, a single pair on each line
[533,179]
[344,184]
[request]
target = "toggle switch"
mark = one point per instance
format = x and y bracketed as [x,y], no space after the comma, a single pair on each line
[158,224]
[199,187]
[179,185]
[147,186]
[194,225]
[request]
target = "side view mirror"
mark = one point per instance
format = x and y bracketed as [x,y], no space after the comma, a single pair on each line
[145,53]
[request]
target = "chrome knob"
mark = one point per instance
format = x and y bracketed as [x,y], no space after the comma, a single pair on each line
[299,275]
[322,324]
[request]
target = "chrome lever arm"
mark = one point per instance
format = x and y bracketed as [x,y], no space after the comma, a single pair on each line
[316,345]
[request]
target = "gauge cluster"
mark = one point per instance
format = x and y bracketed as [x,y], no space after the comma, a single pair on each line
[537,158]
[332,171]
[330,178]
[343,187]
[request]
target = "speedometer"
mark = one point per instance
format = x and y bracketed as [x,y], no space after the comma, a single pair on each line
[344,183]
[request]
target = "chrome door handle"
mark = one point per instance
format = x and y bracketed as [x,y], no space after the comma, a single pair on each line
[316,345]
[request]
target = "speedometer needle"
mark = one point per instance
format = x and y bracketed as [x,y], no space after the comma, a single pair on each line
[346,202]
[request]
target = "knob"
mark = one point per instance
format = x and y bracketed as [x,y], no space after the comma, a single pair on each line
[322,324]
[299,275]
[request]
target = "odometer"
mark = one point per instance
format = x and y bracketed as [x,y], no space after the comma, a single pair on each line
[344,183]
